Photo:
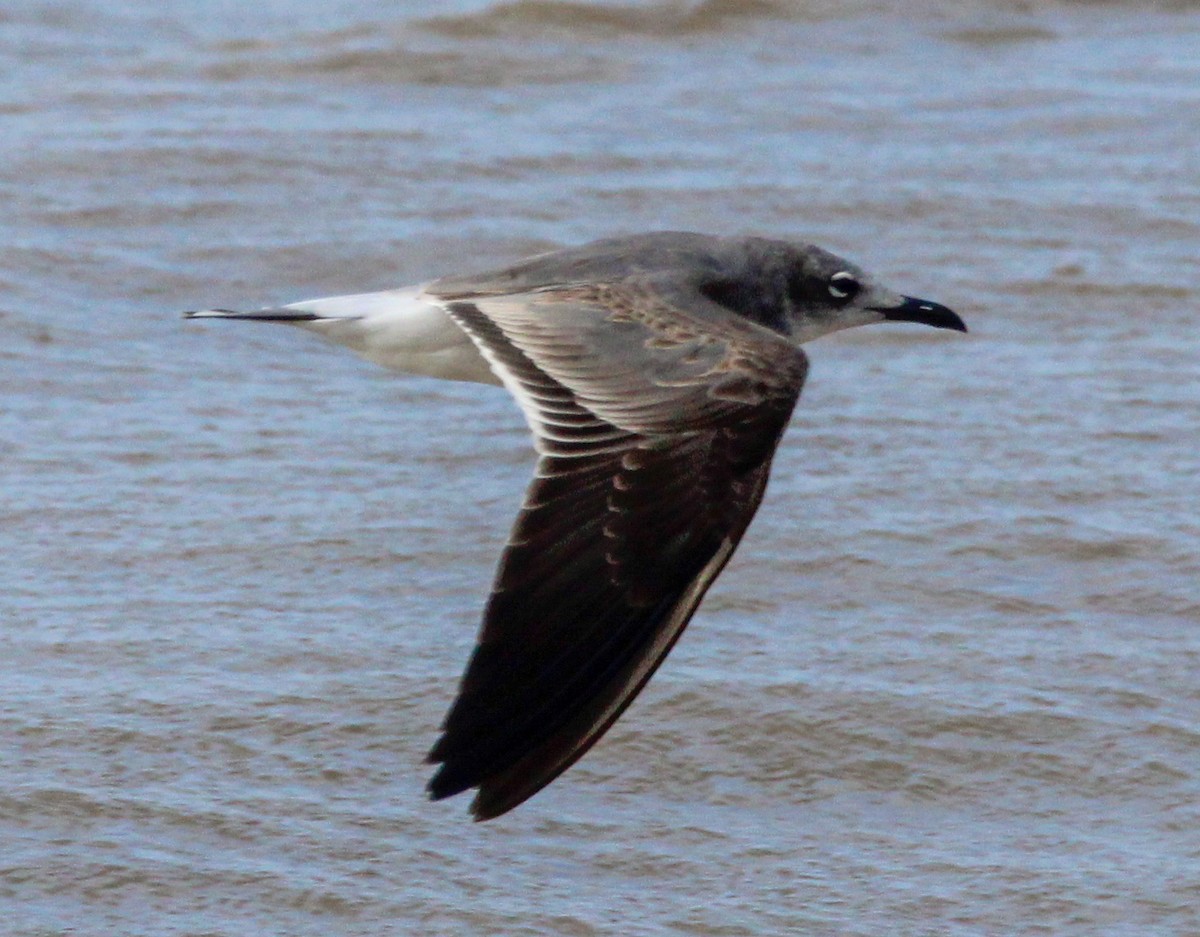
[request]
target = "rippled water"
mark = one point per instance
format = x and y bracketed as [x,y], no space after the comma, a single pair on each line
[947,687]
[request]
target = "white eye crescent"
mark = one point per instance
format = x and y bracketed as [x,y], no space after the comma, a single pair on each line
[843,286]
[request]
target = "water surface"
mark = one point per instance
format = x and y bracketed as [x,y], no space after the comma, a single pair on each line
[948,685]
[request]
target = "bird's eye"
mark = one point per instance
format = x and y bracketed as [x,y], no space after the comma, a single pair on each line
[843,286]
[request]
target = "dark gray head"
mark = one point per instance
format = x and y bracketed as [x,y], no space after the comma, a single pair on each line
[818,292]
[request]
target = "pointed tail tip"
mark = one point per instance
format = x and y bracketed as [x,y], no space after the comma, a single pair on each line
[209,313]
[281,314]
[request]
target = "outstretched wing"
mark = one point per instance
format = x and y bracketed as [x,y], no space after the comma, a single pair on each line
[655,427]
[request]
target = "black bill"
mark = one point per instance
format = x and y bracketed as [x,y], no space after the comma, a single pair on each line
[925,312]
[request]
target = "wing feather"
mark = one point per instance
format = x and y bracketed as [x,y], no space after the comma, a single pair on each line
[647,478]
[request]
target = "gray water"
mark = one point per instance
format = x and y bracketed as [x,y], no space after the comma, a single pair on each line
[948,686]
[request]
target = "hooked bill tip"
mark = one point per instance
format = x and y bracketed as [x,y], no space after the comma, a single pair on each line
[926,313]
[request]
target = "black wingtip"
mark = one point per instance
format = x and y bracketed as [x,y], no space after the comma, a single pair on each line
[443,785]
[446,782]
[481,813]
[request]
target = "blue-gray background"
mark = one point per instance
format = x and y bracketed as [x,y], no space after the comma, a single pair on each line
[949,685]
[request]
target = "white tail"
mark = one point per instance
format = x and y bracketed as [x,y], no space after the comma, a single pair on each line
[403,330]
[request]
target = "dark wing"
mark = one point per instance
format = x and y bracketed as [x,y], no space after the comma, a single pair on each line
[656,429]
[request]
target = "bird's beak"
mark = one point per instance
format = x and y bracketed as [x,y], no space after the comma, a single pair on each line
[923,311]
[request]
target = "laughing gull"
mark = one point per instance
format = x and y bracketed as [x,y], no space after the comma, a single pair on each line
[657,373]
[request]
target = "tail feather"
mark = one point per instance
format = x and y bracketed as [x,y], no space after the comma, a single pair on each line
[400,329]
[257,315]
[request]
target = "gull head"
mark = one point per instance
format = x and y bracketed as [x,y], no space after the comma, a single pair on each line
[825,293]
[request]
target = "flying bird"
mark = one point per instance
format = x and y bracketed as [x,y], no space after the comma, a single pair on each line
[657,373]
